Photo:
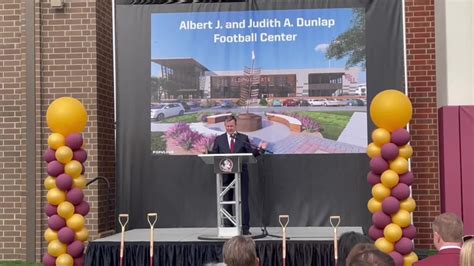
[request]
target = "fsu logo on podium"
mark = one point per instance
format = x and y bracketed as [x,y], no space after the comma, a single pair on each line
[226,165]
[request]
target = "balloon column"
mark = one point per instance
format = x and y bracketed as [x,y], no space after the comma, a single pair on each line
[391,203]
[66,207]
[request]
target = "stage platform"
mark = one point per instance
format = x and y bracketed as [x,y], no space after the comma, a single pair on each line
[181,246]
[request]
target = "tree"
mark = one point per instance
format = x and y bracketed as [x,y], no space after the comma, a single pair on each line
[351,43]
[156,89]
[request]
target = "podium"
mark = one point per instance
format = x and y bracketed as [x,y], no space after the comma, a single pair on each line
[228,163]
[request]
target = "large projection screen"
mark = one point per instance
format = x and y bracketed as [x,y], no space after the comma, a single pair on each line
[181,188]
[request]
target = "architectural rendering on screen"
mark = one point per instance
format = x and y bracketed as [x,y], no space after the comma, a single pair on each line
[295,79]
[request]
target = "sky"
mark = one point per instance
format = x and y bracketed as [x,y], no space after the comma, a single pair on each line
[307,50]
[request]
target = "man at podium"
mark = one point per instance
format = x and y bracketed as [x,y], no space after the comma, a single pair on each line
[234,142]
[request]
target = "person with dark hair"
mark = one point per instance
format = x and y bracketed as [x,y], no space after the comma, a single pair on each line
[235,142]
[447,238]
[240,251]
[346,242]
[367,254]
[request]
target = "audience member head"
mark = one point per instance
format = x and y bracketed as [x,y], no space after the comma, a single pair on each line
[346,242]
[240,251]
[467,253]
[364,254]
[447,230]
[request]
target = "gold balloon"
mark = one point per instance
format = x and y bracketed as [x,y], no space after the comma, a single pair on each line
[76,222]
[56,140]
[380,136]
[55,196]
[73,168]
[79,182]
[64,154]
[409,259]
[374,205]
[405,151]
[384,245]
[392,232]
[56,248]
[380,192]
[391,109]
[408,205]
[399,165]
[82,235]
[373,150]
[50,235]
[65,209]
[66,115]
[402,218]
[49,182]
[64,260]
[389,178]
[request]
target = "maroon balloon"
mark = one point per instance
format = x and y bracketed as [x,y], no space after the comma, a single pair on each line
[390,205]
[80,155]
[56,222]
[64,182]
[389,151]
[404,246]
[397,258]
[378,165]
[409,232]
[66,235]
[76,249]
[82,208]
[407,178]
[49,260]
[380,219]
[55,168]
[79,261]
[375,233]
[400,137]
[49,155]
[75,196]
[373,178]
[50,210]
[401,191]
[74,141]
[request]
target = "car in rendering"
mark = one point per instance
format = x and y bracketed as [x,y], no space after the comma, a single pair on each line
[289,102]
[164,110]
[302,102]
[227,104]
[276,103]
[355,102]
[316,102]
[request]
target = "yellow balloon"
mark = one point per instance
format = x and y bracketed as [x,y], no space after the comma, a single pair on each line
[391,109]
[405,151]
[374,205]
[409,259]
[66,115]
[389,178]
[399,165]
[49,182]
[384,245]
[82,235]
[56,248]
[79,182]
[408,205]
[402,218]
[73,168]
[380,192]
[76,222]
[56,140]
[64,154]
[373,150]
[380,136]
[55,196]
[392,232]
[64,260]
[50,235]
[65,209]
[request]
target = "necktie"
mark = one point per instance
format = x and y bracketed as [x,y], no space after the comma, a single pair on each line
[232,144]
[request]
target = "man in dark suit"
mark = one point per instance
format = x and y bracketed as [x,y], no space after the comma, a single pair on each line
[447,238]
[234,142]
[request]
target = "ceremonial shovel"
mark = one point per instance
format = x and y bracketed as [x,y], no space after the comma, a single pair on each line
[122,236]
[283,227]
[151,217]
